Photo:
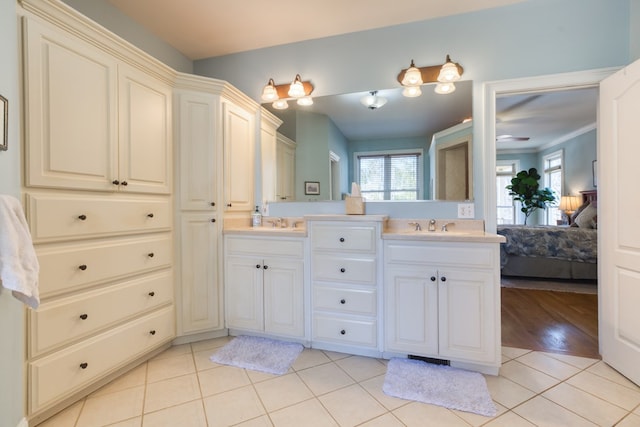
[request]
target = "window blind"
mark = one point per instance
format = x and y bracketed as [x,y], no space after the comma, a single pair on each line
[389,176]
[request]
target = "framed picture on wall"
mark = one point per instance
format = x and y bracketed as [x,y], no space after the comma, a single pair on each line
[312,188]
[4,123]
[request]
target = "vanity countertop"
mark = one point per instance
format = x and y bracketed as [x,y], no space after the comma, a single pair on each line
[345,217]
[457,230]
[239,226]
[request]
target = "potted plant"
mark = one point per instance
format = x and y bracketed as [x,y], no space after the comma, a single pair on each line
[525,188]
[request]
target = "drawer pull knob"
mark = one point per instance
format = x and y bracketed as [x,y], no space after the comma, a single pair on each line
[433,278]
[213,220]
[228,205]
[150,254]
[342,240]
[213,203]
[443,279]
[265,267]
[152,332]
[84,365]
[82,267]
[258,266]
[151,294]
[343,301]
[82,217]
[115,182]
[343,332]
[150,215]
[125,183]
[84,316]
[342,270]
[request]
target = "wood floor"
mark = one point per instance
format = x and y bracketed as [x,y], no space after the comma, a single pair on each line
[551,321]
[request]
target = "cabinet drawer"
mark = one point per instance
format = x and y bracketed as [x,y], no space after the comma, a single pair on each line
[442,254]
[66,216]
[344,330]
[345,300]
[54,377]
[344,238]
[344,269]
[61,321]
[67,267]
[262,247]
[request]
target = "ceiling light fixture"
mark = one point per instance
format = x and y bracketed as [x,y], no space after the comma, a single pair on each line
[279,94]
[373,101]
[444,75]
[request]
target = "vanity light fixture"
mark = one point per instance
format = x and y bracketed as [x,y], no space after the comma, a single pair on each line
[444,75]
[373,101]
[279,94]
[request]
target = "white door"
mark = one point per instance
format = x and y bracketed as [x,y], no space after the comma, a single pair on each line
[619,235]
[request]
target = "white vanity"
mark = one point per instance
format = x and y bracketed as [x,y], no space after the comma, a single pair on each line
[369,285]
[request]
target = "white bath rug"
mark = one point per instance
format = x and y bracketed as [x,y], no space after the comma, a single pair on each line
[258,354]
[438,385]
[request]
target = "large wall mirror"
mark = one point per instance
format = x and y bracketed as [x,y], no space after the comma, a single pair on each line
[333,133]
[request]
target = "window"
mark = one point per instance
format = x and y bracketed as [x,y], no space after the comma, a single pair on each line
[505,170]
[393,175]
[553,180]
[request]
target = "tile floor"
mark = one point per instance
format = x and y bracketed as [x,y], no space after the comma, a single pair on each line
[182,388]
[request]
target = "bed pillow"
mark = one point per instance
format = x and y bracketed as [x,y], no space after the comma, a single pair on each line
[577,212]
[587,218]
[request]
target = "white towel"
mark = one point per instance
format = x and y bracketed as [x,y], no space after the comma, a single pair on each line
[19,266]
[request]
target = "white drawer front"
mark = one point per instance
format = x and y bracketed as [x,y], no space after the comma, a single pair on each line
[344,330]
[344,238]
[67,267]
[53,377]
[59,322]
[264,247]
[344,269]
[345,300]
[471,255]
[58,216]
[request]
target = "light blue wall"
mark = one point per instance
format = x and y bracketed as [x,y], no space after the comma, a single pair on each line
[12,342]
[312,138]
[338,145]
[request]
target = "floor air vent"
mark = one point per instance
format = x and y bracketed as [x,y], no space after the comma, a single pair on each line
[430,360]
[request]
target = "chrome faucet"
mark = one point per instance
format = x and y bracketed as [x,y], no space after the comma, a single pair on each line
[444,227]
[416,225]
[432,225]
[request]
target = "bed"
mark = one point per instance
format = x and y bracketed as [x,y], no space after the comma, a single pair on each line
[561,252]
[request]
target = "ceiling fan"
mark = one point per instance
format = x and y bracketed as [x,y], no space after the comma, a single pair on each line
[511,138]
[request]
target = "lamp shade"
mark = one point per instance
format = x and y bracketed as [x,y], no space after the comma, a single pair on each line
[449,72]
[412,77]
[412,91]
[280,104]
[373,101]
[269,93]
[305,101]
[444,88]
[296,90]
[569,203]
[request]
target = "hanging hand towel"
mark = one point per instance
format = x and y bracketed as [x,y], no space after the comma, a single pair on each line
[19,266]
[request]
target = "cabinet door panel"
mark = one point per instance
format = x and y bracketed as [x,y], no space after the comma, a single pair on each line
[283,297]
[239,162]
[71,111]
[244,293]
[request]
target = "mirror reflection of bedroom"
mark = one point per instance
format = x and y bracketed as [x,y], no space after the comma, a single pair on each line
[549,265]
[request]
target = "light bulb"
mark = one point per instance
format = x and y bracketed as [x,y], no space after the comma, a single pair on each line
[412,77]
[412,91]
[445,88]
[305,101]
[280,104]
[296,90]
[269,93]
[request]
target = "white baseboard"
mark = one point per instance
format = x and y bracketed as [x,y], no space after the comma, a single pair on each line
[23,423]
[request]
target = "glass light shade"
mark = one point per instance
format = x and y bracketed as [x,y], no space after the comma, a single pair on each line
[296,90]
[569,204]
[373,101]
[445,88]
[412,77]
[305,101]
[280,104]
[412,91]
[269,93]
[449,73]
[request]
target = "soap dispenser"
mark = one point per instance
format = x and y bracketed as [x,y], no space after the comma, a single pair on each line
[256,218]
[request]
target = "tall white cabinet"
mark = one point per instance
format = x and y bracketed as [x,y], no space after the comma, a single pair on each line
[97,190]
[286,168]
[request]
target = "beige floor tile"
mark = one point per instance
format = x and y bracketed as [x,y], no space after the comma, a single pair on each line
[422,415]
[527,377]
[550,366]
[334,355]
[257,376]
[134,378]
[506,392]
[282,391]
[224,378]
[112,407]
[577,361]
[189,414]
[310,358]
[309,413]
[170,392]
[174,350]
[513,353]
[131,422]
[233,407]
[637,410]
[476,420]
[606,371]
[509,419]
[586,405]
[169,367]
[374,387]
[203,361]
[386,420]
[352,405]
[325,378]
[210,344]
[66,417]
[262,421]
[362,368]
[605,389]
[543,413]
[631,420]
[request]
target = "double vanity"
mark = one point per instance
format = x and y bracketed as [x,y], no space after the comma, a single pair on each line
[368,285]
